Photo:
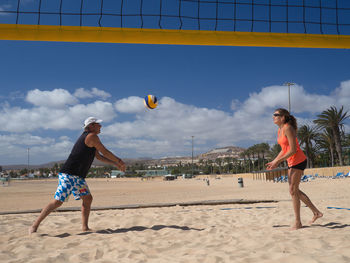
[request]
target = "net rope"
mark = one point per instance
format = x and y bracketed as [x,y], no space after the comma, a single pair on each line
[275,16]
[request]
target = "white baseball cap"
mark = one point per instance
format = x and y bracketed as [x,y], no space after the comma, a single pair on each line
[90,120]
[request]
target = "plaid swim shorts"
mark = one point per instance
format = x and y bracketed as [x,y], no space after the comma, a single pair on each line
[68,184]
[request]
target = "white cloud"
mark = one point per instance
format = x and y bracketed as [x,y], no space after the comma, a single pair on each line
[131,104]
[100,93]
[14,148]
[70,118]
[169,127]
[24,139]
[94,92]
[171,124]
[166,130]
[273,97]
[82,93]
[235,104]
[59,150]
[342,93]
[56,98]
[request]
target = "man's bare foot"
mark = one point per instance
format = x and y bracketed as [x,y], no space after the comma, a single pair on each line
[32,229]
[86,229]
[296,226]
[316,216]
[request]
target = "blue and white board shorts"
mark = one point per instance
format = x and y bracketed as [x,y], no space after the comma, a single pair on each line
[68,184]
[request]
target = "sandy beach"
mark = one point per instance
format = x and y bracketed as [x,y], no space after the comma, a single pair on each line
[251,232]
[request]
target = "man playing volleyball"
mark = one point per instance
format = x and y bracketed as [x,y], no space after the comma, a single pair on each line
[72,174]
[297,161]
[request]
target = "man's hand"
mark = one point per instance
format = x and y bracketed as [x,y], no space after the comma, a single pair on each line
[121,165]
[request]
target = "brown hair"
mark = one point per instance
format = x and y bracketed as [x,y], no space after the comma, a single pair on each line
[290,119]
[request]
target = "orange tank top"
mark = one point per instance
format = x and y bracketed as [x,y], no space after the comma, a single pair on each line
[296,158]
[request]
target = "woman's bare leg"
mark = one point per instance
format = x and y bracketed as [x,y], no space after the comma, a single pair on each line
[306,200]
[294,176]
[294,181]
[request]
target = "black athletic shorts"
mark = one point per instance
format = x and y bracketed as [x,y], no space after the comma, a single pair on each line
[299,166]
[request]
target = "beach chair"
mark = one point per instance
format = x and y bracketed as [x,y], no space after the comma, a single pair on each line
[277,179]
[306,178]
[338,175]
[280,179]
[311,177]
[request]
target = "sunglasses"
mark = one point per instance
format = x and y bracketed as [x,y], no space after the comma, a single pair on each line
[277,115]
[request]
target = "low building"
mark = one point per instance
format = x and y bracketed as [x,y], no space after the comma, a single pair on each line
[117,174]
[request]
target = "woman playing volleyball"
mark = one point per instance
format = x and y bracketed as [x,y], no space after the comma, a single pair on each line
[296,159]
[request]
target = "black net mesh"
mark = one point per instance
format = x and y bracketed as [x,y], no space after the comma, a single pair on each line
[277,16]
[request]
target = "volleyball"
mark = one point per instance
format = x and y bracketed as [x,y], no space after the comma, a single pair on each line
[150,101]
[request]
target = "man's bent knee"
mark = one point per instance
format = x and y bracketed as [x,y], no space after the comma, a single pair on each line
[57,203]
[87,199]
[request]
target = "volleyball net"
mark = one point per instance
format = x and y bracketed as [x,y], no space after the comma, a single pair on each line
[277,23]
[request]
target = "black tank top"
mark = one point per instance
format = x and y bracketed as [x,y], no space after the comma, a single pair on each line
[80,159]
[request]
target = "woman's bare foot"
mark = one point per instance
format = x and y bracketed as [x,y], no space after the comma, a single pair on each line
[316,216]
[296,226]
[86,229]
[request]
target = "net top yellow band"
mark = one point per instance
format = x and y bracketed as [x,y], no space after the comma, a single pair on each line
[170,37]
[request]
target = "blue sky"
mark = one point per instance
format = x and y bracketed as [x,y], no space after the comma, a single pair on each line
[221,95]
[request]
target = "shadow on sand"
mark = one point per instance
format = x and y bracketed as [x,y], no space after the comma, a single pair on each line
[330,225]
[125,230]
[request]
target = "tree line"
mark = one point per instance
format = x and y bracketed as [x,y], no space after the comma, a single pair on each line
[326,143]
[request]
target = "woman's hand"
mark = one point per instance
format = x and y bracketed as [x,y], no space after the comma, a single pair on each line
[272,165]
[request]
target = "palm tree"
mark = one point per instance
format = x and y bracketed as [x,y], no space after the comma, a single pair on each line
[307,135]
[251,152]
[218,161]
[333,119]
[275,150]
[248,152]
[347,145]
[210,164]
[264,148]
[243,155]
[235,165]
[256,150]
[228,161]
[325,141]
[347,140]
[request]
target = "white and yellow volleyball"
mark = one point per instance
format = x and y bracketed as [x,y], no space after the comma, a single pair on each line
[150,101]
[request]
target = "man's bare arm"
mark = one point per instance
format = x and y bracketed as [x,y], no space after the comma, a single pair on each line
[102,153]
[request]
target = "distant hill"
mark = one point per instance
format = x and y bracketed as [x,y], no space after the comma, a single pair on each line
[229,151]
